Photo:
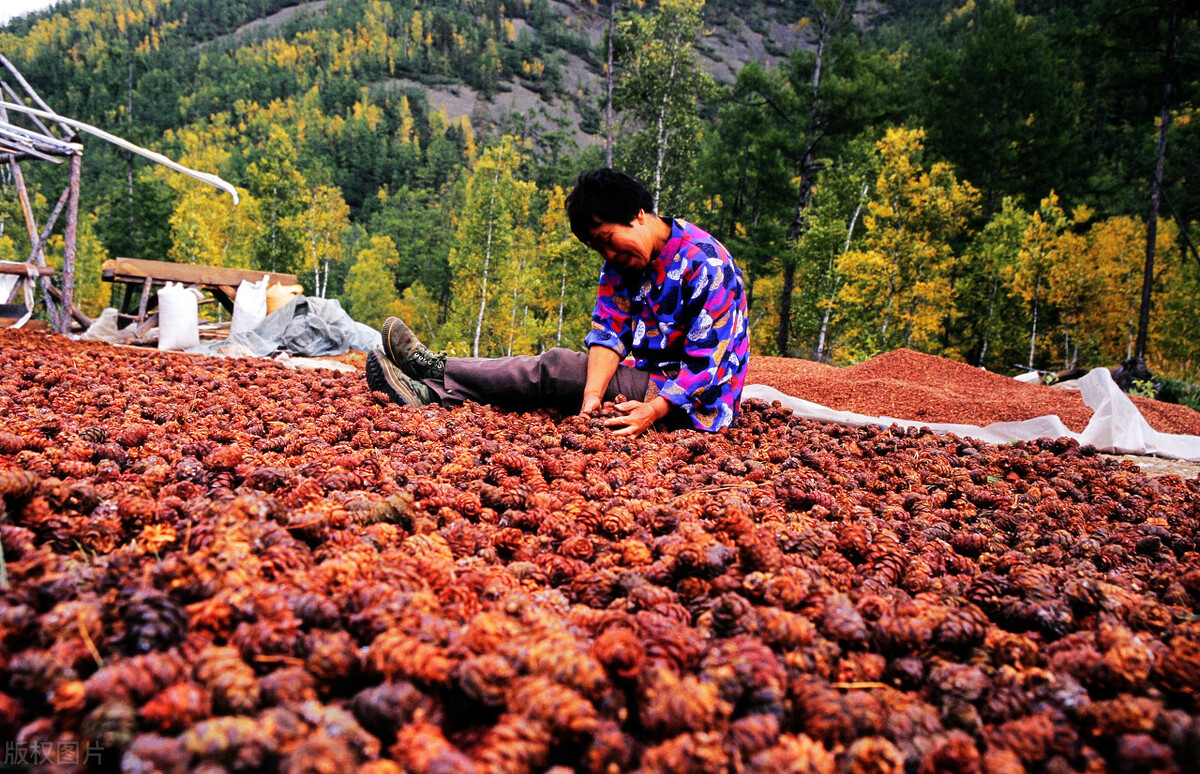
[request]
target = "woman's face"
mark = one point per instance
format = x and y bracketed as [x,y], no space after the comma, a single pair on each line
[629,247]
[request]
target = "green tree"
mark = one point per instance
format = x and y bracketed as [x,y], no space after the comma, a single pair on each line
[1000,106]
[833,220]
[982,290]
[415,219]
[276,186]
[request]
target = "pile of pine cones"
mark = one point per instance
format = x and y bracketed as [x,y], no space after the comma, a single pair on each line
[223,565]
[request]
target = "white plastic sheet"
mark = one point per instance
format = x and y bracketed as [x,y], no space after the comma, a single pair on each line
[1116,425]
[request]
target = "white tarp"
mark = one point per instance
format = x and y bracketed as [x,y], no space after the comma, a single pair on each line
[1116,425]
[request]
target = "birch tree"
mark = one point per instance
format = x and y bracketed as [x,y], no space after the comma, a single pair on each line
[321,223]
[570,270]
[661,83]
[983,290]
[1030,275]
[485,238]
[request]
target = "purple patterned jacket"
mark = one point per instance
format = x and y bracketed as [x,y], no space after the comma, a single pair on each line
[683,319]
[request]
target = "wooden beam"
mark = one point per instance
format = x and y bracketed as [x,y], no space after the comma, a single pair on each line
[78,315]
[23,198]
[69,237]
[33,94]
[22,269]
[17,98]
[162,272]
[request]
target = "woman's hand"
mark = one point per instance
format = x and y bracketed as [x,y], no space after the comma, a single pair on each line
[590,403]
[638,416]
[602,364]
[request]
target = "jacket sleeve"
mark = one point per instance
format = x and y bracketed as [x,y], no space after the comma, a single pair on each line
[611,316]
[705,381]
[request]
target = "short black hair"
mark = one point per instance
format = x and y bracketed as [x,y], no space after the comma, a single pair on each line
[605,196]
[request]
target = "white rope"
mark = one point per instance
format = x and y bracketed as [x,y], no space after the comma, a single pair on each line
[205,177]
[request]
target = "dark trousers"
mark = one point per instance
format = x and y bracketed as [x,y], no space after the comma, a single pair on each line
[554,379]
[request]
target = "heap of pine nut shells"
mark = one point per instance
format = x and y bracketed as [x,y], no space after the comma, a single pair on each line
[226,566]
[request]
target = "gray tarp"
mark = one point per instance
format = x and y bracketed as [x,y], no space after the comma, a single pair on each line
[310,327]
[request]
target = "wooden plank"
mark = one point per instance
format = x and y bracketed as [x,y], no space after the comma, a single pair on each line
[161,272]
[21,269]
[30,325]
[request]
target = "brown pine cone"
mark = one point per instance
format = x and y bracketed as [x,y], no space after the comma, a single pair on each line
[794,754]
[176,707]
[230,680]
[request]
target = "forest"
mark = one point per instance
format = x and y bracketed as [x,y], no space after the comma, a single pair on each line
[1013,184]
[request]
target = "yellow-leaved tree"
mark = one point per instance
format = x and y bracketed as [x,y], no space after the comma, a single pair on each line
[321,222]
[1074,286]
[370,293]
[897,290]
[1116,253]
[206,229]
[1175,328]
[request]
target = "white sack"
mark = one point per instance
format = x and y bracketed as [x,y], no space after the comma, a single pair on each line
[1116,425]
[249,306]
[178,317]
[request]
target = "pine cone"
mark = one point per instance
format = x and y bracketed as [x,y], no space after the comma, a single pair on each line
[153,622]
[176,707]
[232,683]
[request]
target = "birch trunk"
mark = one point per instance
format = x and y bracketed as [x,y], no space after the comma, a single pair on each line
[562,302]
[487,260]
[661,146]
[833,283]
[1033,332]
[608,86]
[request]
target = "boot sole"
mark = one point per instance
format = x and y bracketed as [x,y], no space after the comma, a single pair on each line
[396,390]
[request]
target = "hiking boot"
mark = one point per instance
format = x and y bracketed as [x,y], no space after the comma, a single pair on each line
[404,349]
[383,376]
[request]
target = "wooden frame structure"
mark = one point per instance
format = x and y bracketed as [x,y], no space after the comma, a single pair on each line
[146,277]
[19,144]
